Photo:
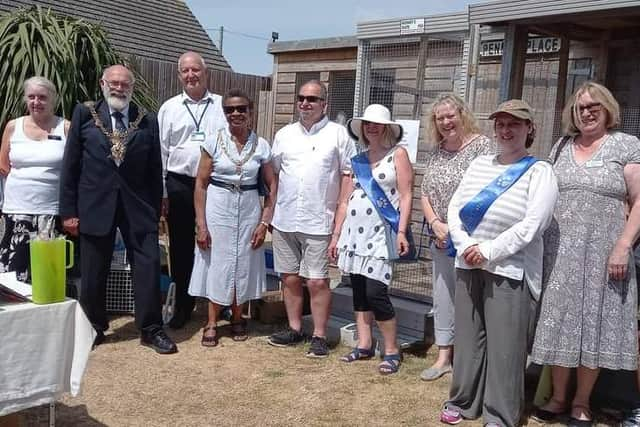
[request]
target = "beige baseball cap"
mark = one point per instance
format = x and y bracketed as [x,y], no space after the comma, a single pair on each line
[516,108]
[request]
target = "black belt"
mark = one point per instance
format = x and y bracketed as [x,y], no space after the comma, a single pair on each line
[233,187]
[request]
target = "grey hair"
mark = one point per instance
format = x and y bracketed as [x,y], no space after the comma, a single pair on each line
[323,88]
[104,73]
[191,53]
[42,82]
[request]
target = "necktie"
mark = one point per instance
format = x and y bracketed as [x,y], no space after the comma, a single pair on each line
[119,122]
[118,141]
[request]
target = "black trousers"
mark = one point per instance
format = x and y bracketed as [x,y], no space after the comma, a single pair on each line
[144,256]
[182,226]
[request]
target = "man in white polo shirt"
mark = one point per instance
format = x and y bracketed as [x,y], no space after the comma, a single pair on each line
[313,160]
[185,121]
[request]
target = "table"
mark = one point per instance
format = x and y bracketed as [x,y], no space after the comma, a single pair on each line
[44,351]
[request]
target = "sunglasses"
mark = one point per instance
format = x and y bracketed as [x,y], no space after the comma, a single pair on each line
[239,108]
[309,99]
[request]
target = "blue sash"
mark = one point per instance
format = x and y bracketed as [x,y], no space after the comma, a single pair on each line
[362,170]
[473,211]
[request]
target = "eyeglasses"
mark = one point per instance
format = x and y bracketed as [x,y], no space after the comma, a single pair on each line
[594,107]
[309,99]
[122,84]
[239,108]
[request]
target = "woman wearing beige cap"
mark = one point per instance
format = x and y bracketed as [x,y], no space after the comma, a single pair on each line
[496,219]
[588,312]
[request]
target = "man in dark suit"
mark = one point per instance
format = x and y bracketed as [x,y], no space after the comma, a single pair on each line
[112,177]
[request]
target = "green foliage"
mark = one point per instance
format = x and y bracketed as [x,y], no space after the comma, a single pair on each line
[70,52]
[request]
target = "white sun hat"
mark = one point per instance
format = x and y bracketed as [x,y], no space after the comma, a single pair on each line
[374,113]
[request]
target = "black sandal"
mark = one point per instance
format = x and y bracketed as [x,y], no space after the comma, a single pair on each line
[208,340]
[358,354]
[239,331]
[545,416]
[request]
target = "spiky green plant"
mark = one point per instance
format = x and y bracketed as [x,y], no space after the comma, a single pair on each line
[70,52]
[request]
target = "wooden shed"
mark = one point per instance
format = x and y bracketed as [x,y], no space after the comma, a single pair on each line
[591,39]
[330,60]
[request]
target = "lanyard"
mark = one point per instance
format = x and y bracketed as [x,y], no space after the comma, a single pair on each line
[197,121]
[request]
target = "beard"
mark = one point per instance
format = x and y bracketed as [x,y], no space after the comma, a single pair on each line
[116,102]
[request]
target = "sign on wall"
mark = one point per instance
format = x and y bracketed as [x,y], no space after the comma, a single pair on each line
[411,129]
[412,26]
[534,45]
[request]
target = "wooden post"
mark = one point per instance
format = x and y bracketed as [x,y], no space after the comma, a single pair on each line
[561,89]
[422,63]
[363,77]
[513,62]
[603,59]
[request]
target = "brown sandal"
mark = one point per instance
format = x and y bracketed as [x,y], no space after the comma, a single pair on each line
[208,340]
[239,331]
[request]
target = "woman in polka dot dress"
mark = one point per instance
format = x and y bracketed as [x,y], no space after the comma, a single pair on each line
[362,247]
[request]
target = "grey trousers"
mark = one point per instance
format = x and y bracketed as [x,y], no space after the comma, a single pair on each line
[444,290]
[492,318]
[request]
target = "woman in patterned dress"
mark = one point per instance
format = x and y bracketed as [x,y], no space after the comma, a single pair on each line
[362,246]
[30,159]
[454,140]
[231,224]
[588,313]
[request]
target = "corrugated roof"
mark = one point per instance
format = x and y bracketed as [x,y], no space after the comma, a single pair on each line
[433,24]
[495,12]
[313,44]
[156,29]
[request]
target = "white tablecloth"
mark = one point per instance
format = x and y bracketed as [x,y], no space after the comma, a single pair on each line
[43,353]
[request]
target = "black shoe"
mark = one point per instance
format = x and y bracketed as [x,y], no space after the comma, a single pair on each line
[545,417]
[288,337]
[318,348]
[159,341]
[179,319]
[574,422]
[99,339]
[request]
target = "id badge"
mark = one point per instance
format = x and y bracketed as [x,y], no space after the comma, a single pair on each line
[197,137]
[594,164]
[54,137]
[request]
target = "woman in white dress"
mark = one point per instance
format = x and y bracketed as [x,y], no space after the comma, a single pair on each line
[363,247]
[231,224]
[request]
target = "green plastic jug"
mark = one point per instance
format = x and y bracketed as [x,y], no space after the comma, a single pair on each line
[49,269]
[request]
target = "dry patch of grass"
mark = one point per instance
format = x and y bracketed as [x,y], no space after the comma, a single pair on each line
[249,383]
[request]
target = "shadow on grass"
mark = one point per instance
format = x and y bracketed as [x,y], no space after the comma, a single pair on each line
[76,416]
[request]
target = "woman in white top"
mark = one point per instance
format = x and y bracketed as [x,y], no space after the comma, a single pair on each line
[496,220]
[30,159]
[231,224]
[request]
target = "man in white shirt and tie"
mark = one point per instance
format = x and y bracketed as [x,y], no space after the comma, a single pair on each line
[185,121]
[312,158]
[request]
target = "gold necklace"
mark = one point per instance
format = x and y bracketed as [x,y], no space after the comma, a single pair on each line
[238,162]
[116,137]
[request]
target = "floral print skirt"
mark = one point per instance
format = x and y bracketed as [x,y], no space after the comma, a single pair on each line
[14,247]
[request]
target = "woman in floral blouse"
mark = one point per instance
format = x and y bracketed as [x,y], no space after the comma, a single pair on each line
[454,140]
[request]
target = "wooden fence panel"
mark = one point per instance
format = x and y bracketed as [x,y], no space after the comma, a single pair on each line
[163,78]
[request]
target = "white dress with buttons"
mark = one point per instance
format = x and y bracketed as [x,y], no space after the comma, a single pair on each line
[362,245]
[230,267]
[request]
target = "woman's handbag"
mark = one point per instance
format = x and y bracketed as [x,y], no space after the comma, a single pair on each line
[362,171]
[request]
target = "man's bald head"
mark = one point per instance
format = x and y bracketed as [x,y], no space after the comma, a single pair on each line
[191,56]
[192,72]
